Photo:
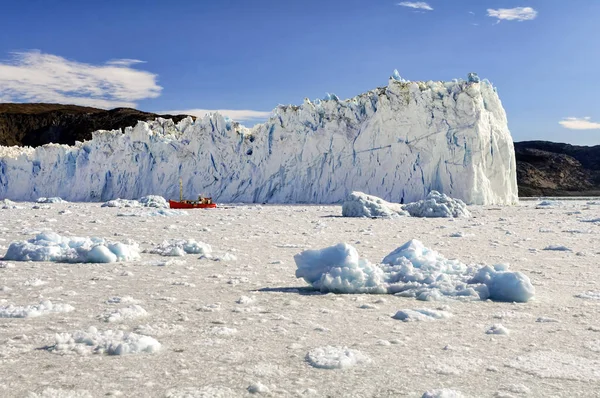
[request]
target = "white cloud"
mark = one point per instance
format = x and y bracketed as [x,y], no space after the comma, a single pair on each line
[513,14]
[419,5]
[575,123]
[33,76]
[239,115]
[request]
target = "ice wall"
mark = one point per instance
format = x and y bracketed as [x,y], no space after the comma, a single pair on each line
[397,142]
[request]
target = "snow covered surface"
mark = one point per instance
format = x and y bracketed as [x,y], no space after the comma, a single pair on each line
[252,322]
[397,142]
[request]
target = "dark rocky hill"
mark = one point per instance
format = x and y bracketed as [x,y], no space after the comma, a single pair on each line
[555,169]
[543,168]
[38,124]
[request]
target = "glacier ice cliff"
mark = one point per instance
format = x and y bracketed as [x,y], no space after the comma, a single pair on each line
[397,142]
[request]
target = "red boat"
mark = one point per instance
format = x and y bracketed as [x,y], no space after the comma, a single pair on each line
[201,203]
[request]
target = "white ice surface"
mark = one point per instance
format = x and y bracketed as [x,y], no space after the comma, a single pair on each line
[284,319]
[397,142]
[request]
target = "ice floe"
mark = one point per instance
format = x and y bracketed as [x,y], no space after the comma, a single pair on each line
[329,357]
[99,342]
[421,315]
[359,204]
[438,205]
[50,246]
[179,247]
[35,310]
[411,270]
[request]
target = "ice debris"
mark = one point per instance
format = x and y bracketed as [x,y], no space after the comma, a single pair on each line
[131,312]
[421,315]
[31,311]
[7,204]
[411,270]
[145,201]
[443,393]
[100,342]
[359,204]
[329,357]
[50,246]
[497,329]
[51,200]
[178,248]
[438,205]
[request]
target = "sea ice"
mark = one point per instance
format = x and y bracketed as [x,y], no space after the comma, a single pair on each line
[421,315]
[438,205]
[51,200]
[359,204]
[100,342]
[178,248]
[133,311]
[49,246]
[154,201]
[329,357]
[411,270]
[60,393]
[31,311]
[497,329]
[443,393]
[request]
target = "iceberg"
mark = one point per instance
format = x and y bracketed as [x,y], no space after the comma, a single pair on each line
[397,142]
[412,270]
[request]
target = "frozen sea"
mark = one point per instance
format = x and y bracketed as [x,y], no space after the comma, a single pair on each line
[241,324]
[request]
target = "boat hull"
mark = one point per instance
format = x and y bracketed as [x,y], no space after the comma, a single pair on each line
[173,204]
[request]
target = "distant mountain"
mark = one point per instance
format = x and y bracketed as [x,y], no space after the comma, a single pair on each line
[555,169]
[543,168]
[38,124]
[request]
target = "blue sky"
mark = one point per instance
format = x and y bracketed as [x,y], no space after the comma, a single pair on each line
[251,55]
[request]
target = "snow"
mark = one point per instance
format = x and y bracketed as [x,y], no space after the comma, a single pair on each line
[329,357]
[49,246]
[438,205]
[359,204]
[100,342]
[412,270]
[397,142]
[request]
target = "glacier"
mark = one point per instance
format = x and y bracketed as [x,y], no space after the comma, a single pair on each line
[397,142]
